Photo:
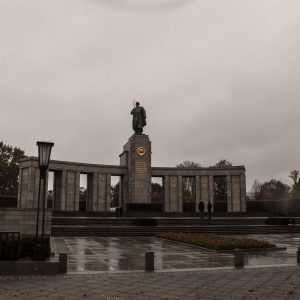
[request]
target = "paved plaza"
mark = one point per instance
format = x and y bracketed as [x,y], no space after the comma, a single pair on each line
[182,272]
[263,283]
[127,253]
[90,254]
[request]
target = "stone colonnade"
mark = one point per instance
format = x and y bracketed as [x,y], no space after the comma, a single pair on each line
[204,186]
[67,185]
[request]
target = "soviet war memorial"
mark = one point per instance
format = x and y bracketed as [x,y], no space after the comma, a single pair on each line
[189,191]
[135,172]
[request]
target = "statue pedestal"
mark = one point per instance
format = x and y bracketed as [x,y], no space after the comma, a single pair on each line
[137,157]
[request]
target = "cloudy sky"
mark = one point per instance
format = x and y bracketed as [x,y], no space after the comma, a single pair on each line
[218,79]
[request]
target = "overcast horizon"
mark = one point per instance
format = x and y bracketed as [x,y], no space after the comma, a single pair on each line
[218,80]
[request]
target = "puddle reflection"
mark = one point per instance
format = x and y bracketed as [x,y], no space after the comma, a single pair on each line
[127,253]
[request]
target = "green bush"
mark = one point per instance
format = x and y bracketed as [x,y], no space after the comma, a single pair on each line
[214,241]
[28,247]
[24,248]
[8,201]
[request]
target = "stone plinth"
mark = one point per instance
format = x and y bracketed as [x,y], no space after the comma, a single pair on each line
[136,157]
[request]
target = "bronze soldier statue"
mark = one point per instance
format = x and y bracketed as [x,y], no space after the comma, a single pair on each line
[138,118]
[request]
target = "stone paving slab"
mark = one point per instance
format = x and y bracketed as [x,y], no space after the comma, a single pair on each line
[87,254]
[128,253]
[264,283]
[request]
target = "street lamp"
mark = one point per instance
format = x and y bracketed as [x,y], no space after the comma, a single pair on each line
[44,149]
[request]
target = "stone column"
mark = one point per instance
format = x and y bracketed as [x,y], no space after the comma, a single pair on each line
[108,188]
[243,193]
[31,188]
[57,190]
[204,185]
[63,190]
[27,188]
[89,192]
[20,188]
[70,191]
[173,194]
[101,198]
[211,191]
[94,191]
[77,190]
[229,198]
[179,194]
[236,193]
[166,184]
[36,187]
[198,196]
[124,191]
[46,190]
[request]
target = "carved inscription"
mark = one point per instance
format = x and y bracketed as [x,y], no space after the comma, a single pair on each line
[173,182]
[101,178]
[204,180]
[70,182]
[173,194]
[101,199]
[204,189]
[70,191]
[236,193]
[141,168]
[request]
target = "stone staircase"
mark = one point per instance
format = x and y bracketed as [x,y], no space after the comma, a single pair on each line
[69,225]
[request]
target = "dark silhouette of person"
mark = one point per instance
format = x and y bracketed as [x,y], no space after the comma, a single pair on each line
[121,211]
[209,207]
[117,211]
[201,209]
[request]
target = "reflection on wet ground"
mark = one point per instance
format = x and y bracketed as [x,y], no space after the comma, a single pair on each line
[127,253]
[289,256]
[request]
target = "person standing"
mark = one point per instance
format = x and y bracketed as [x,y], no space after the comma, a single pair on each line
[209,207]
[121,211]
[201,209]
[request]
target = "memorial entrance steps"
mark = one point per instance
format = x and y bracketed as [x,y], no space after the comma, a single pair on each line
[69,225]
[153,230]
[154,214]
[125,221]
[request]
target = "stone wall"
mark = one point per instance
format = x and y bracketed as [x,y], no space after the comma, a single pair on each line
[23,220]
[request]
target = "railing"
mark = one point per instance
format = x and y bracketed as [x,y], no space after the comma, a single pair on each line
[9,245]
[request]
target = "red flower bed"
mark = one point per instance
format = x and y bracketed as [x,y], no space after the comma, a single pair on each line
[214,241]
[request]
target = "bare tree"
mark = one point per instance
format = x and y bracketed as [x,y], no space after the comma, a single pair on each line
[189,164]
[296,186]
[188,183]
[223,163]
[295,176]
[255,190]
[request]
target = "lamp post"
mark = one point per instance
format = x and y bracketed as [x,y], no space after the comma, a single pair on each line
[44,149]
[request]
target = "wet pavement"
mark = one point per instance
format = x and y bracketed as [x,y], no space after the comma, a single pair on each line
[92,254]
[128,253]
[288,257]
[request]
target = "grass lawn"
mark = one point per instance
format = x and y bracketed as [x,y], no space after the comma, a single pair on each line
[214,241]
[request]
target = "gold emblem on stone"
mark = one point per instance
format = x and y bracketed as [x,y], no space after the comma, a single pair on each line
[141,151]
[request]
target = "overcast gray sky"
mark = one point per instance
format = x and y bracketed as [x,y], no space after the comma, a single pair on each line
[219,79]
